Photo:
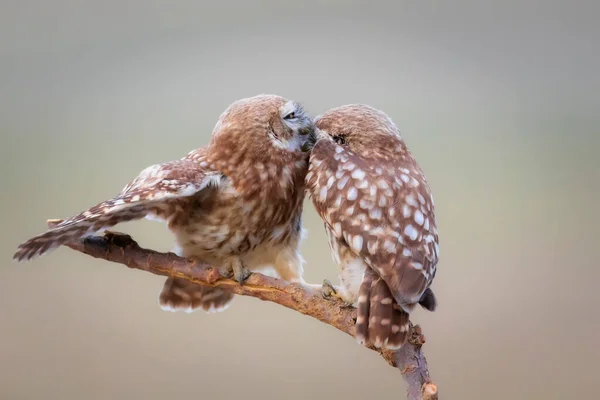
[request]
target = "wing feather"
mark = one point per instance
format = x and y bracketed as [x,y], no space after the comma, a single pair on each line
[149,195]
[365,206]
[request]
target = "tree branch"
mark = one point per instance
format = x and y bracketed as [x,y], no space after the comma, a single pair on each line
[121,248]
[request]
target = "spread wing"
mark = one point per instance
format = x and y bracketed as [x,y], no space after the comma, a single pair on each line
[154,193]
[382,210]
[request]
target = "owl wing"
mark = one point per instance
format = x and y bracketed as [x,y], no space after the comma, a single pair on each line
[154,193]
[198,155]
[383,213]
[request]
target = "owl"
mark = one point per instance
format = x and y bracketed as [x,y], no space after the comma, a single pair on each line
[235,204]
[379,217]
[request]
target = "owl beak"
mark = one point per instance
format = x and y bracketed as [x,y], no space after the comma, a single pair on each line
[310,141]
[305,131]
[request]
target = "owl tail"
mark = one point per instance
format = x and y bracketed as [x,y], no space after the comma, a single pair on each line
[379,320]
[182,295]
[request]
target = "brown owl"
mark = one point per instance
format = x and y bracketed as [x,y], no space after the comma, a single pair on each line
[235,204]
[379,217]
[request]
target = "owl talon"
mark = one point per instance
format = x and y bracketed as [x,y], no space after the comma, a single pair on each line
[241,275]
[240,272]
[118,238]
[329,291]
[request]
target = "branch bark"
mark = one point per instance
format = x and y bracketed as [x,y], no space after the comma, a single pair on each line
[121,248]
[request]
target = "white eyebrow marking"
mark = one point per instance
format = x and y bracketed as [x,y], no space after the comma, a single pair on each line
[287,108]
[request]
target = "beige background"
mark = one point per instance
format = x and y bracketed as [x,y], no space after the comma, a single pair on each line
[499,103]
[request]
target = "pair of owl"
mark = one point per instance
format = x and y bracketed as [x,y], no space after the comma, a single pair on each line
[237,204]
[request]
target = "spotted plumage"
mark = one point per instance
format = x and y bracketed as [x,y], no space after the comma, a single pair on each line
[236,203]
[379,216]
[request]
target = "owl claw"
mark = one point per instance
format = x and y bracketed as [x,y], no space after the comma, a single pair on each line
[240,272]
[234,269]
[329,292]
[118,238]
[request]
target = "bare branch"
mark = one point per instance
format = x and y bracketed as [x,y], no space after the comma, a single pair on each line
[121,248]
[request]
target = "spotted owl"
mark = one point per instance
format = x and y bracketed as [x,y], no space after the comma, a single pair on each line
[379,217]
[235,204]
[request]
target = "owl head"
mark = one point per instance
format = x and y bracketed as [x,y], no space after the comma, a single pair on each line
[361,129]
[264,126]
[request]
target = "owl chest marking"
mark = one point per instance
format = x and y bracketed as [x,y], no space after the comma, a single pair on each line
[224,223]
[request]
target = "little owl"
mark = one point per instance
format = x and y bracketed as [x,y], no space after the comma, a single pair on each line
[379,217]
[235,204]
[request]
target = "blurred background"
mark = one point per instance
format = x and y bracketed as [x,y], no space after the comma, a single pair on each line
[498,101]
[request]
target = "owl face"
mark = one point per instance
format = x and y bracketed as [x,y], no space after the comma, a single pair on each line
[293,130]
[263,124]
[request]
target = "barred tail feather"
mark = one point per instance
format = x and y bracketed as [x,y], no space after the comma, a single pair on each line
[182,295]
[380,315]
[399,328]
[388,325]
[380,321]
[363,309]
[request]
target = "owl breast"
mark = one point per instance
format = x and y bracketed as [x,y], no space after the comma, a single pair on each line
[220,223]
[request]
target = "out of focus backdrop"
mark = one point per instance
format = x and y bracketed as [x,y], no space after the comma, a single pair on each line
[499,103]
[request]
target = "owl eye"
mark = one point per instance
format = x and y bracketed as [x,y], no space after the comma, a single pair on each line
[339,139]
[291,115]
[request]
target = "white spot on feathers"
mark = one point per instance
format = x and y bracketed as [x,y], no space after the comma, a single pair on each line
[337,202]
[375,213]
[349,166]
[357,243]
[419,217]
[410,200]
[358,174]
[361,184]
[337,227]
[352,193]
[342,182]
[410,232]
[323,194]
[330,182]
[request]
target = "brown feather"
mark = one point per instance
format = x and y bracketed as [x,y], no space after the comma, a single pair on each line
[373,197]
